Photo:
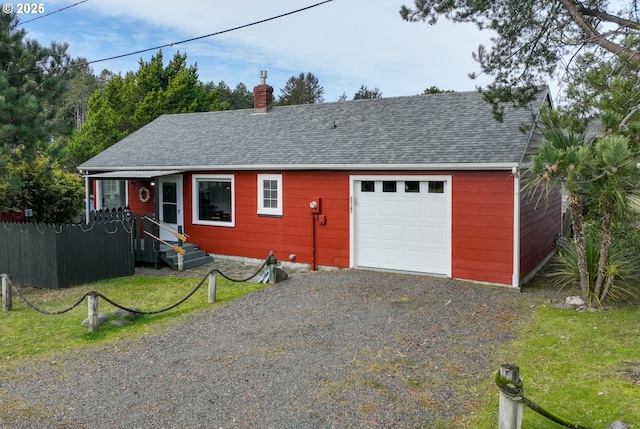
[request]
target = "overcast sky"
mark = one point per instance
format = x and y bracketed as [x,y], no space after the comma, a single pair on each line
[344,43]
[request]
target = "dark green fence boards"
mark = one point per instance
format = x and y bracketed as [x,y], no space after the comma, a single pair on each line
[57,256]
[145,248]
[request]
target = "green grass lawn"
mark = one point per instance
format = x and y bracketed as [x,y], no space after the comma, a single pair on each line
[584,367]
[25,333]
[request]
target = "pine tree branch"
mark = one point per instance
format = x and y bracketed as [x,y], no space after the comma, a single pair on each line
[597,38]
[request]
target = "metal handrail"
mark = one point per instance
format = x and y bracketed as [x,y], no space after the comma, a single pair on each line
[180,236]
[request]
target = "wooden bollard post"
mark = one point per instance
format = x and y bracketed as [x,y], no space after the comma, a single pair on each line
[212,287]
[6,293]
[510,411]
[92,304]
[180,262]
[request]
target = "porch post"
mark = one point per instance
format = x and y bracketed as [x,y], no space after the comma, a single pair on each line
[87,199]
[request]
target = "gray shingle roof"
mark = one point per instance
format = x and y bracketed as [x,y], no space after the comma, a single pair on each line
[449,128]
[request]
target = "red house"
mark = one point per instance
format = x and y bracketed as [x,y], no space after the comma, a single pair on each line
[426,184]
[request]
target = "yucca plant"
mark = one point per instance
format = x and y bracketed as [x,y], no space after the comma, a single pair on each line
[598,176]
[621,274]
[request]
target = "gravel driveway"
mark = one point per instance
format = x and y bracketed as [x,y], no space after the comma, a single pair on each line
[343,349]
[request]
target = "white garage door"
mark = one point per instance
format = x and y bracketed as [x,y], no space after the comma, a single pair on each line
[403,224]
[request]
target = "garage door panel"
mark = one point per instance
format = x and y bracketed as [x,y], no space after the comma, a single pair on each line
[389,210]
[415,234]
[406,231]
[389,232]
[368,231]
[416,209]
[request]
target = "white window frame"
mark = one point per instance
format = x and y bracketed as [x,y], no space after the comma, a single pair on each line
[195,199]
[269,211]
[100,190]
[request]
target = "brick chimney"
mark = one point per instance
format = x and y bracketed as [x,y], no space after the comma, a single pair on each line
[262,95]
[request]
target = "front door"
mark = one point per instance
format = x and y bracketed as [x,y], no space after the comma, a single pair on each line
[170,210]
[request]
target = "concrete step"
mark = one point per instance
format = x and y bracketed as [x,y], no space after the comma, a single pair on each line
[193,257]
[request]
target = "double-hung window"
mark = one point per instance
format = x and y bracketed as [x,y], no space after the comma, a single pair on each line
[213,200]
[270,194]
[113,194]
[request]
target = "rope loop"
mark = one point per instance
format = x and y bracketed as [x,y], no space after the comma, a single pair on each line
[40,310]
[246,279]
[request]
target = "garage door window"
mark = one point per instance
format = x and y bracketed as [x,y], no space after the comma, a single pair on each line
[389,186]
[367,186]
[412,187]
[436,187]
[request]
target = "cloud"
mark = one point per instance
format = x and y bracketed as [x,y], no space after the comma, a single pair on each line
[345,43]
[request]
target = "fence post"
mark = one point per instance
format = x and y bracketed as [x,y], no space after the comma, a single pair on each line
[92,303]
[510,411]
[6,293]
[212,287]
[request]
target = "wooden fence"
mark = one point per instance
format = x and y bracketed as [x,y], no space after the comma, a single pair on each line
[145,248]
[58,256]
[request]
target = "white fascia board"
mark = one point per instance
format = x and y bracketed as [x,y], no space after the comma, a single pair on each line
[375,167]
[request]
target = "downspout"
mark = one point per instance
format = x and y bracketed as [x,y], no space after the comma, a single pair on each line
[515,278]
[314,263]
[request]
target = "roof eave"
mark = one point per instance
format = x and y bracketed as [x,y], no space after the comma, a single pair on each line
[475,166]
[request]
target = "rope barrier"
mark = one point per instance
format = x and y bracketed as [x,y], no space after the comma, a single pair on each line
[515,392]
[246,279]
[133,310]
[38,309]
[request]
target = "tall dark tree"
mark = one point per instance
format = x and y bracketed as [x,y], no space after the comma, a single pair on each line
[366,93]
[127,103]
[534,36]
[238,98]
[82,83]
[33,85]
[301,89]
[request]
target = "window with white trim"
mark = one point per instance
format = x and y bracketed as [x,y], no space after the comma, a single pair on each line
[213,200]
[113,194]
[270,194]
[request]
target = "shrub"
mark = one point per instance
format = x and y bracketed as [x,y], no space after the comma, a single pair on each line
[622,278]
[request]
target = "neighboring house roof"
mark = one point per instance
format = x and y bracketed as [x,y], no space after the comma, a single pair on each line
[436,130]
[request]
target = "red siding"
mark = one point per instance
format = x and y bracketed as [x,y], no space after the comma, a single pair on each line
[135,205]
[482,226]
[482,221]
[254,235]
[540,224]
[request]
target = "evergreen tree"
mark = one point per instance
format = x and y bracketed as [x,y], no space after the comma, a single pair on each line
[129,102]
[365,93]
[32,87]
[534,37]
[435,90]
[124,104]
[302,89]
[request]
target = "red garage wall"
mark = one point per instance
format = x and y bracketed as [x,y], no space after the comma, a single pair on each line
[482,221]
[540,224]
[482,226]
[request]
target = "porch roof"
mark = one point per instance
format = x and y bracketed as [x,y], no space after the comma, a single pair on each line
[134,174]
